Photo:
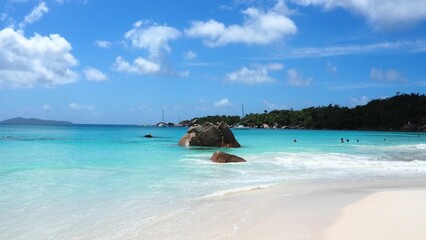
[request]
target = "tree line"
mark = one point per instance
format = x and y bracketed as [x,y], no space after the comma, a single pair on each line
[405,112]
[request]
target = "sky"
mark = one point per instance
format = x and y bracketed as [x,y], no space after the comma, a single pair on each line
[125,62]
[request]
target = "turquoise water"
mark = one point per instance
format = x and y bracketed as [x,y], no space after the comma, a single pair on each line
[109,182]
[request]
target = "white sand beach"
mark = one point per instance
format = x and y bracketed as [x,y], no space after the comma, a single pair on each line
[391,215]
[333,212]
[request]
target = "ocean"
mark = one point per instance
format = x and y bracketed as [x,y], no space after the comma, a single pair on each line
[109,182]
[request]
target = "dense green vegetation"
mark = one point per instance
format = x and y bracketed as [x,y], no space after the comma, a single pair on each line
[230,120]
[401,112]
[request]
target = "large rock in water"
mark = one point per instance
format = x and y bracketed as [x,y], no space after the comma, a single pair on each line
[221,157]
[210,135]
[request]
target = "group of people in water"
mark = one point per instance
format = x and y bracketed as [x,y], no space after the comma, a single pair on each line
[341,140]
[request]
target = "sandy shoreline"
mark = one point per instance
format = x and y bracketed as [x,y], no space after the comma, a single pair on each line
[304,210]
[391,215]
[357,210]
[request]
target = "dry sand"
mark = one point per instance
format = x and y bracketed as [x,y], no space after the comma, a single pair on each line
[390,215]
[335,212]
[388,210]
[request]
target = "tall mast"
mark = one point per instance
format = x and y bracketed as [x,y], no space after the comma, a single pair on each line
[242,110]
[163,114]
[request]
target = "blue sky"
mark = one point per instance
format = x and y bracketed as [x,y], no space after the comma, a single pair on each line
[122,62]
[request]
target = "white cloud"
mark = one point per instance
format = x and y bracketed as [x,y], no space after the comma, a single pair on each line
[152,37]
[382,14]
[400,46]
[155,39]
[93,74]
[223,103]
[47,107]
[38,60]
[259,27]
[190,55]
[294,78]
[359,101]
[140,66]
[331,68]
[78,107]
[103,44]
[386,76]
[257,75]
[35,14]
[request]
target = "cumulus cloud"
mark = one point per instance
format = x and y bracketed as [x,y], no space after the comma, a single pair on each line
[77,107]
[139,66]
[382,14]
[37,12]
[93,74]
[259,27]
[223,103]
[103,44]
[257,75]
[38,60]
[294,78]
[152,37]
[387,76]
[190,55]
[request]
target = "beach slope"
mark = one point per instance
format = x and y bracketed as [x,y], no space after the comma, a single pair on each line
[391,215]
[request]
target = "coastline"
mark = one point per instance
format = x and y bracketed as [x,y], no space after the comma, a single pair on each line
[296,211]
[320,211]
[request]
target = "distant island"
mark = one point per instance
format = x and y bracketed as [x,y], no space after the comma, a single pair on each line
[34,121]
[402,112]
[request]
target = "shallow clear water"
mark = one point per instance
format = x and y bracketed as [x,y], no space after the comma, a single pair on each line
[109,182]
